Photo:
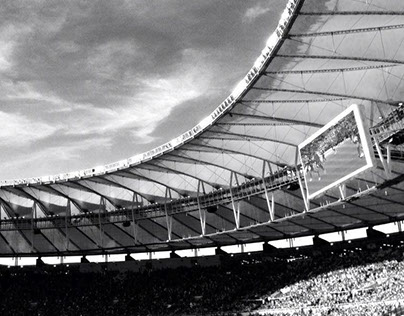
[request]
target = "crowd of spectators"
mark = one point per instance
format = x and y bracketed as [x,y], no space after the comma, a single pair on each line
[347,282]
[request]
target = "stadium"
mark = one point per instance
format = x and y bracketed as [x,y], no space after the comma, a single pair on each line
[286,200]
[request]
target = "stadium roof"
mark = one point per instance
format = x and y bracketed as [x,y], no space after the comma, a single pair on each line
[205,187]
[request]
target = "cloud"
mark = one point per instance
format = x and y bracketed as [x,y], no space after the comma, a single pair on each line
[60,154]
[98,68]
[78,73]
[18,130]
[254,12]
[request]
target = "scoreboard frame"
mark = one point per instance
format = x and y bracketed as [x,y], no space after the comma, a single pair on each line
[364,140]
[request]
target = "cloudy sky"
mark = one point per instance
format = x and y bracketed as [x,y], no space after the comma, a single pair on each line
[86,83]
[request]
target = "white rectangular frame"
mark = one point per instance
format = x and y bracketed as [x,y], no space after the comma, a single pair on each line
[365,140]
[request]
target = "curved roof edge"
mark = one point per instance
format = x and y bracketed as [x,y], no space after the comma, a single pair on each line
[241,88]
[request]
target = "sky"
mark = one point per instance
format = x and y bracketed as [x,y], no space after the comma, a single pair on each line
[87,83]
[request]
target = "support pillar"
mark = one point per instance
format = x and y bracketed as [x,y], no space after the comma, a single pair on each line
[304,193]
[169,218]
[270,202]
[68,215]
[384,162]
[202,212]
[389,159]
[33,217]
[134,226]
[101,213]
[236,209]
[342,191]
[299,179]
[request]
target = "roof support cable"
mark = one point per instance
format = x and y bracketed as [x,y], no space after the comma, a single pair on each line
[354,58]
[295,100]
[325,93]
[349,31]
[325,70]
[352,13]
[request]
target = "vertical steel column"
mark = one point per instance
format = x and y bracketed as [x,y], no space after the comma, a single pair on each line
[384,163]
[134,199]
[270,203]
[305,197]
[343,235]
[236,210]
[101,209]
[389,159]
[202,212]
[299,179]
[33,216]
[169,218]
[342,190]
[290,242]
[67,218]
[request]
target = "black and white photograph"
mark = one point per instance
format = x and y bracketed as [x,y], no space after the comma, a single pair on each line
[201,157]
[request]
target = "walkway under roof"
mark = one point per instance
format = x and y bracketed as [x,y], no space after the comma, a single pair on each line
[323,57]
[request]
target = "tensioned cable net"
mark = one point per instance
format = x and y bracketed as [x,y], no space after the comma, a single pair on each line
[234,178]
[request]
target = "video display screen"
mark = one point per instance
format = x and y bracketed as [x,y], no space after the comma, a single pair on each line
[337,152]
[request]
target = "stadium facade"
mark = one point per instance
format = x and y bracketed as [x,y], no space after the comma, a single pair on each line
[236,177]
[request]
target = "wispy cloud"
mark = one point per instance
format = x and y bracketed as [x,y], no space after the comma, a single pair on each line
[60,154]
[254,12]
[18,130]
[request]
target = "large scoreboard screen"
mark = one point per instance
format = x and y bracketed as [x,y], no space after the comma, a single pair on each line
[337,152]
